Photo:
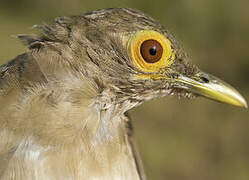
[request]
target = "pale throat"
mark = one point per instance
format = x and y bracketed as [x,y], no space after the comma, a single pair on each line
[111,120]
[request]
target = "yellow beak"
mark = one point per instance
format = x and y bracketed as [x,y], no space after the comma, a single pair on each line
[211,87]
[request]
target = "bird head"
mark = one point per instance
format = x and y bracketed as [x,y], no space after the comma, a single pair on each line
[132,56]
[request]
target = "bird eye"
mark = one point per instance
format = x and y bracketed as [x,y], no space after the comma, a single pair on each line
[150,50]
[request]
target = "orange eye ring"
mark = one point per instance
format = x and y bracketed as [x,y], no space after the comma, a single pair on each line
[150,51]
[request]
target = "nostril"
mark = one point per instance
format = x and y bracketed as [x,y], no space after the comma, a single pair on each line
[205,80]
[174,75]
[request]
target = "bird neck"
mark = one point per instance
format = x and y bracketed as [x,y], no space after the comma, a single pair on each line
[62,120]
[83,139]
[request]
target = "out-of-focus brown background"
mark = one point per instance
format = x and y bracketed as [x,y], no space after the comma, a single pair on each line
[178,139]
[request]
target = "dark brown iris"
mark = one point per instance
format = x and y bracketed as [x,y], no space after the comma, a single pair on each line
[151,51]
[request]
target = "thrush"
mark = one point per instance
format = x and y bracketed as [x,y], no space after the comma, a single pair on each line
[64,102]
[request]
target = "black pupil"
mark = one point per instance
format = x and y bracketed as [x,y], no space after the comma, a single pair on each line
[153,51]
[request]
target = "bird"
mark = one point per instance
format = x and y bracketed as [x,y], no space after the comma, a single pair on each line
[65,102]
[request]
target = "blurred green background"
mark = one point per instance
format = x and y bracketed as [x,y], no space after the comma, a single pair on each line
[178,139]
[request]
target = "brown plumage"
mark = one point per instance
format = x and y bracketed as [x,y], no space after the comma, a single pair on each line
[64,103]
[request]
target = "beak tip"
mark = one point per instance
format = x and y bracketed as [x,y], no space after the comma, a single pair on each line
[245,105]
[242,102]
[237,100]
